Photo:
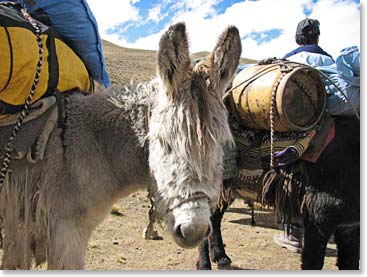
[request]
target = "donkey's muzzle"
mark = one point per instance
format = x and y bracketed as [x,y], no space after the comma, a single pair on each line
[190,235]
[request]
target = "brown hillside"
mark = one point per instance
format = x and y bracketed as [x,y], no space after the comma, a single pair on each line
[203,54]
[125,65]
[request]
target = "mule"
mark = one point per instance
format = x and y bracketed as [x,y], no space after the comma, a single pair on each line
[115,142]
[324,195]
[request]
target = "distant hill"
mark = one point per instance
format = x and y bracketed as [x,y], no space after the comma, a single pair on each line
[203,54]
[125,65]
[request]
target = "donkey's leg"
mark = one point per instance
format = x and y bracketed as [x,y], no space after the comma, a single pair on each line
[12,255]
[203,262]
[68,244]
[150,233]
[314,246]
[16,250]
[347,239]
[217,251]
[251,204]
[1,237]
[215,241]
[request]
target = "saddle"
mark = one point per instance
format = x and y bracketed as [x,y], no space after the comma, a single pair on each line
[275,124]
[32,138]
[253,147]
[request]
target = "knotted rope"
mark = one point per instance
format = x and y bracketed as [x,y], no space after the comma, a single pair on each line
[8,148]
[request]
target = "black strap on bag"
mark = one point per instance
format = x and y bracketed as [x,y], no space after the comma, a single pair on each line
[10,16]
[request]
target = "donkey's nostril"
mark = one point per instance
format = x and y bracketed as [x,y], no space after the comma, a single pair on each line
[178,232]
[192,232]
[190,235]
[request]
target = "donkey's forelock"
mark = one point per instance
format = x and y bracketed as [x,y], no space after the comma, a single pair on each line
[192,126]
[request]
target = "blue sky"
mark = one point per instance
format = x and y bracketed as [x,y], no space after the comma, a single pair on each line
[267,27]
[149,24]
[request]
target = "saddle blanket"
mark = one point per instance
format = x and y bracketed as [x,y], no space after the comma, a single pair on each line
[32,138]
[253,152]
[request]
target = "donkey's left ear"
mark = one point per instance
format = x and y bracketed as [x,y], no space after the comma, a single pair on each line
[225,56]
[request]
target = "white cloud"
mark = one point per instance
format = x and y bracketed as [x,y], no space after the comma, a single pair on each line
[109,13]
[340,27]
[339,19]
[154,13]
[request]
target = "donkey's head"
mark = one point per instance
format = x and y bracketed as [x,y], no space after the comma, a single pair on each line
[187,129]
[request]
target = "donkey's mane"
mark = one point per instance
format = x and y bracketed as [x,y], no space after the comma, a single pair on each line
[128,96]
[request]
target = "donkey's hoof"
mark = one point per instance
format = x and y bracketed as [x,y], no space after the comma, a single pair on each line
[150,234]
[203,265]
[224,262]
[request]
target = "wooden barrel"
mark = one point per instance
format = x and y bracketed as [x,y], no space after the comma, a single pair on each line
[300,96]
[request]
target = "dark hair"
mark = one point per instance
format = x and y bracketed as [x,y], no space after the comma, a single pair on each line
[308,31]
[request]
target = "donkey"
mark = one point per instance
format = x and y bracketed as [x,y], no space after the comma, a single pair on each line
[113,143]
[324,196]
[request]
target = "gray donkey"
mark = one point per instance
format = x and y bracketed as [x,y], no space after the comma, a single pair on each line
[170,130]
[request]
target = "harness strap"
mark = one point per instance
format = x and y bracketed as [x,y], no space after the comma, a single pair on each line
[60,109]
[195,196]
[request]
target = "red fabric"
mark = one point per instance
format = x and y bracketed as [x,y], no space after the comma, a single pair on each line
[314,154]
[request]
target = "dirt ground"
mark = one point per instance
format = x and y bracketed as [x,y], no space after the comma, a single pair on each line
[117,244]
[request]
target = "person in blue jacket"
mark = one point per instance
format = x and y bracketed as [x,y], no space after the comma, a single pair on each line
[307,37]
[345,73]
[308,52]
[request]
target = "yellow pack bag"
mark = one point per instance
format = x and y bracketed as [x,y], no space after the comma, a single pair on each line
[61,70]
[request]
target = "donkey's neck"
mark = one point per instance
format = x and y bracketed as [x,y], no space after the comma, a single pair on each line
[107,132]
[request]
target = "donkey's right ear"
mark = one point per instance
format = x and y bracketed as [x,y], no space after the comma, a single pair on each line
[174,63]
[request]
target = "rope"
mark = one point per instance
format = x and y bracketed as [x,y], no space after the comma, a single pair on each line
[336,86]
[342,92]
[272,119]
[284,63]
[8,148]
[228,93]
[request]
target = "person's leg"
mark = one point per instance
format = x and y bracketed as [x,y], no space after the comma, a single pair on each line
[292,236]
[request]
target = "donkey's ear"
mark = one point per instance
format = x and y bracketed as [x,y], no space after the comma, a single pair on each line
[174,62]
[225,56]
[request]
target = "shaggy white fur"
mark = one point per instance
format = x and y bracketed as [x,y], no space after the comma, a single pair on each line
[49,209]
